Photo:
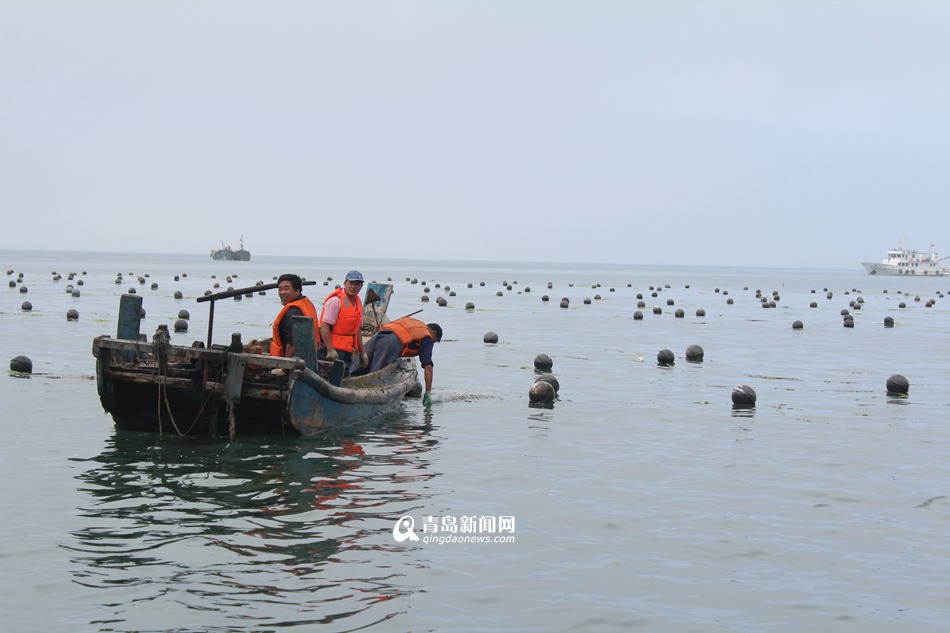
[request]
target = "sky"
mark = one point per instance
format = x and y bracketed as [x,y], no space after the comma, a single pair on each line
[794,134]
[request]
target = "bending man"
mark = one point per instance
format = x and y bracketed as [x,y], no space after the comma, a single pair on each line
[405,337]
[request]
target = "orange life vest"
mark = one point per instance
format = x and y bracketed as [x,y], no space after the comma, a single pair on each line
[306,307]
[348,324]
[410,333]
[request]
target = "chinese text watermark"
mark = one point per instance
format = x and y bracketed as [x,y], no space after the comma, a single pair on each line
[455,529]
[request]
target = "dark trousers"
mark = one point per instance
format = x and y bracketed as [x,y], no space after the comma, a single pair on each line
[383,348]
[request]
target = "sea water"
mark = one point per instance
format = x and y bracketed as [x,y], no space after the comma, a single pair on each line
[641,500]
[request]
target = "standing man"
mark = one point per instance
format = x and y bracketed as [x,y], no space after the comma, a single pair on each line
[290,291]
[405,337]
[341,322]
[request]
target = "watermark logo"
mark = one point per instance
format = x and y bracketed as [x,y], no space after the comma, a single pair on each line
[456,529]
[404,529]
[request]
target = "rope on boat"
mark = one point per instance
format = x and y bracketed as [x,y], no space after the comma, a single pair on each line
[159,340]
[232,421]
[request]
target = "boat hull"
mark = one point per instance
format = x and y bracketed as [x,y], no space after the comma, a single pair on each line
[197,392]
[316,406]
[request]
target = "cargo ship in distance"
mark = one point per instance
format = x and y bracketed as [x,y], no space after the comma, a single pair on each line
[226,253]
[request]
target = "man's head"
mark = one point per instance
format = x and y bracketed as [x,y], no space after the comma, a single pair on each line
[353,283]
[436,330]
[288,287]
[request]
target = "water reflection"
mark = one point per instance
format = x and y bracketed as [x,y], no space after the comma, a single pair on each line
[743,411]
[256,532]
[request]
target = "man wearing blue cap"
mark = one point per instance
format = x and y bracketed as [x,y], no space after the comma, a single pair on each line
[341,322]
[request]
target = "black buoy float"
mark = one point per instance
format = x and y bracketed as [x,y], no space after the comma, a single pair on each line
[26,306]
[637,316]
[469,306]
[797,325]
[72,315]
[888,321]
[694,353]
[665,358]
[700,312]
[541,393]
[743,396]
[551,380]
[181,325]
[184,314]
[897,385]
[490,337]
[21,364]
[543,362]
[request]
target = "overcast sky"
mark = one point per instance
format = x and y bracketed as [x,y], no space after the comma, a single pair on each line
[781,134]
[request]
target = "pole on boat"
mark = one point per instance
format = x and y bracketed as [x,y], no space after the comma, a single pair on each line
[411,314]
[210,323]
[372,298]
[234,293]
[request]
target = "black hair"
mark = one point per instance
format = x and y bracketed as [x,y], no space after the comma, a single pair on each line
[294,280]
[435,327]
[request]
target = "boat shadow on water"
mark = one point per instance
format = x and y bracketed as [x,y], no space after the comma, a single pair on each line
[242,527]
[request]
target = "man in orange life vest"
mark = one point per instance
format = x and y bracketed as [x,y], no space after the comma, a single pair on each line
[341,323]
[405,337]
[289,289]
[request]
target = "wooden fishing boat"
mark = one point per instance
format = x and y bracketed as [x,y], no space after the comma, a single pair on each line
[208,390]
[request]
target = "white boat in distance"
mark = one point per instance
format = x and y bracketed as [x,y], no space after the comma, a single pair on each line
[902,261]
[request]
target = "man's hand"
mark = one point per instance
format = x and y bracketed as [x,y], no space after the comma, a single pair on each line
[332,354]
[364,360]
